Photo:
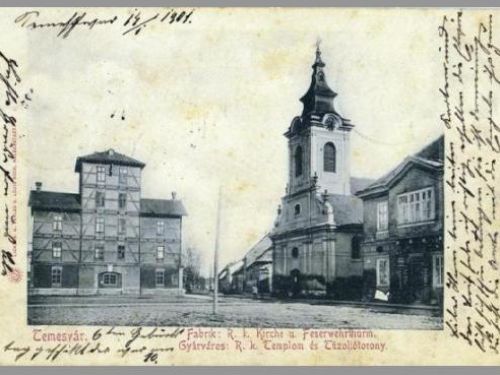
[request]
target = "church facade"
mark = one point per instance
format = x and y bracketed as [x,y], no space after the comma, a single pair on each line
[318,230]
[106,239]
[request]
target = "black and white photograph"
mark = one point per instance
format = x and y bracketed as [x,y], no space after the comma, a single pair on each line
[280,180]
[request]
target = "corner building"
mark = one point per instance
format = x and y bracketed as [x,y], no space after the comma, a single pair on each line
[106,239]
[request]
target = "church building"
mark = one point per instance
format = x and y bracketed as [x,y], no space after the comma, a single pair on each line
[318,230]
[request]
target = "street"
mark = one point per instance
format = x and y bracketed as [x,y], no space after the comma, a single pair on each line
[196,310]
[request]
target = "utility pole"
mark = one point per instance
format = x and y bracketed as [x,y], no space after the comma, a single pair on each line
[216,255]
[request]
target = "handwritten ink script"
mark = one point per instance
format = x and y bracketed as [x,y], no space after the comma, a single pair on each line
[155,344]
[470,95]
[132,23]
[11,98]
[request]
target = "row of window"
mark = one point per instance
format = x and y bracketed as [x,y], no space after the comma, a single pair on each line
[413,207]
[99,251]
[99,225]
[108,279]
[383,273]
[101,173]
[329,159]
[100,199]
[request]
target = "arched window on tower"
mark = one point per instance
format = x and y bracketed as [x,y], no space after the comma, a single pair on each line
[298,161]
[329,158]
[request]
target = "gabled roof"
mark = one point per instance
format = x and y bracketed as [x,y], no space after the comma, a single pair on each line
[257,250]
[162,207]
[430,157]
[108,157]
[54,201]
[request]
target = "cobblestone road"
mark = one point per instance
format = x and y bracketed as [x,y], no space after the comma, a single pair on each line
[233,312]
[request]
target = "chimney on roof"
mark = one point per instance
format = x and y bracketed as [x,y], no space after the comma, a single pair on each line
[174,194]
[38,185]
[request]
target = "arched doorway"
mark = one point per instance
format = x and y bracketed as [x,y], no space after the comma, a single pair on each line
[295,281]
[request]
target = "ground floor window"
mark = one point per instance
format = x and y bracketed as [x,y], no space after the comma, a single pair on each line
[56,276]
[382,272]
[110,280]
[437,270]
[160,278]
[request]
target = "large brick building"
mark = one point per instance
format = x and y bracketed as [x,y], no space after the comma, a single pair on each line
[317,232]
[105,239]
[402,248]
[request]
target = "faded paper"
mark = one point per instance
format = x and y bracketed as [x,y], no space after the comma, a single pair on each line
[203,97]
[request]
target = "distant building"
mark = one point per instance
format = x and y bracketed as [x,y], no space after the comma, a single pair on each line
[226,284]
[402,248]
[320,221]
[106,239]
[258,267]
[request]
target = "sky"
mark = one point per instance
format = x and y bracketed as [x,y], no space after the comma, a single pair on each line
[206,105]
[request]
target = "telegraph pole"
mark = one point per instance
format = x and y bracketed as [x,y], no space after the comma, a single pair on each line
[216,255]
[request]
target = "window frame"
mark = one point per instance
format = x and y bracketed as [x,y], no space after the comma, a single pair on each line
[383,216]
[162,273]
[122,225]
[388,270]
[332,160]
[100,199]
[123,175]
[120,254]
[122,201]
[160,249]
[100,173]
[56,271]
[100,224]
[298,159]
[417,206]
[107,277]
[57,254]
[160,224]
[438,275]
[57,223]
[99,252]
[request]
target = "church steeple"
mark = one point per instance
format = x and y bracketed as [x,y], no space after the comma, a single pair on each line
[319,97]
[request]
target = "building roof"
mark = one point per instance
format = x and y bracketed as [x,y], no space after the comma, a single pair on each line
[107,157]
[162,207]
[50,200]
[360,183]
[347,209]
[257,250]
[430,157]
[319,97]
[68,202]
[230,268]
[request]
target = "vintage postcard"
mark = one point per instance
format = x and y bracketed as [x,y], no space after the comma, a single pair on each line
[259,186]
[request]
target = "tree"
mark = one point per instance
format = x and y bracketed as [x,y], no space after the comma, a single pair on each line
[191,262]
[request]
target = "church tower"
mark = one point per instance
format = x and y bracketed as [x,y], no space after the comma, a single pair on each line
[319,140]
[319,220]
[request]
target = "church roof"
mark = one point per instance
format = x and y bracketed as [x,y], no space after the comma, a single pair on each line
[319,97]
[108,157]
[431,157]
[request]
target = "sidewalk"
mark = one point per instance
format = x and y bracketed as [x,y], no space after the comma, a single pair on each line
[318,301]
